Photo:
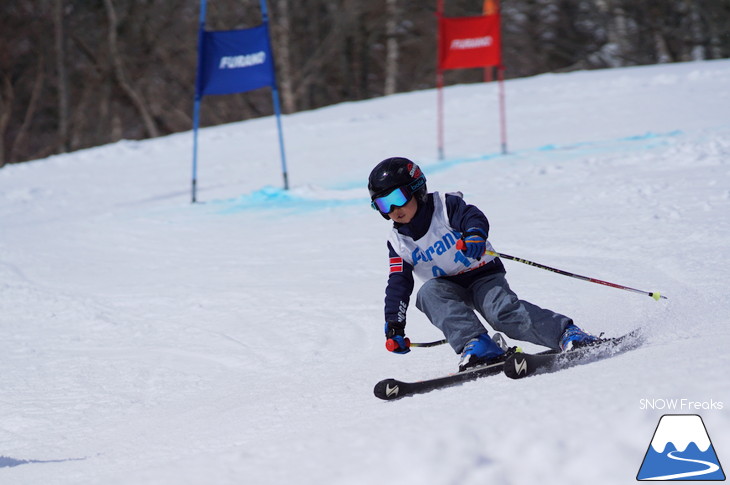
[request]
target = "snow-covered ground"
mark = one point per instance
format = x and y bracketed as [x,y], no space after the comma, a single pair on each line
[146,340]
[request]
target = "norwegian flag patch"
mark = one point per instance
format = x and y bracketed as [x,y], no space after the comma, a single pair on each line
[396,265]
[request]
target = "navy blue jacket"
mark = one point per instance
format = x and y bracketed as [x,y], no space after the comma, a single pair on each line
[462,216]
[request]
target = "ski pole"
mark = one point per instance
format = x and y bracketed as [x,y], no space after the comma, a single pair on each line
[391,344]
[654,294]
[429,344]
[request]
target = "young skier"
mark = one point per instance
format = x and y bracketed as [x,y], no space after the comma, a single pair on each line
[426,230]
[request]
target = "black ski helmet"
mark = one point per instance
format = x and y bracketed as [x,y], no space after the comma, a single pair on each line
[396,172]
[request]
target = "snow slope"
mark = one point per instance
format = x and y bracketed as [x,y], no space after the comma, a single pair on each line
[145,340]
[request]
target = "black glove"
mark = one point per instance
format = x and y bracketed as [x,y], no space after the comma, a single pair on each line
[396,340]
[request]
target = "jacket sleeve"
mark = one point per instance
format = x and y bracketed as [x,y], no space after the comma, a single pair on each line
[463,216]
[399,288]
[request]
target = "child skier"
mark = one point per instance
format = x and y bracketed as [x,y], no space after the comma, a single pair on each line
[426,230]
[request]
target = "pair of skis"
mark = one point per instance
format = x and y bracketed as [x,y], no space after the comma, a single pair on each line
[517,365]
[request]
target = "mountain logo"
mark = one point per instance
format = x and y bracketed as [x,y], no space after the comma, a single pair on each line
[681,450]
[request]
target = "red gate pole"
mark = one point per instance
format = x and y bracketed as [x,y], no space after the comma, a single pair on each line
[490,8]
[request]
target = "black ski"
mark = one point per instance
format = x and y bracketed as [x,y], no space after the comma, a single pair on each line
[390,389]
[521,365]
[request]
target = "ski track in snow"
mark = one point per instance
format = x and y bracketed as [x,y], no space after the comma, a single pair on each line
[149,341]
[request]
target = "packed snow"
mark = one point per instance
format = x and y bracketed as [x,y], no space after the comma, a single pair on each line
[147,340]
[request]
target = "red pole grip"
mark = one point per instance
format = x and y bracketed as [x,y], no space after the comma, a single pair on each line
[392,345]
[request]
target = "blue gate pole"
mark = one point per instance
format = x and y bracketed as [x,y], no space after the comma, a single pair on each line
[196,104]
[275,97]
[196,119]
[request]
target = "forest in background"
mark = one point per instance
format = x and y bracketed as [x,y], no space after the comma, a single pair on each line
[82,73]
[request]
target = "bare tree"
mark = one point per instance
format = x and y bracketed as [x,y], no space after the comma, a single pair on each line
[391,56]
[7,96]
[62,75]
[22,133]
[283,55]
[697,34]
[121,76]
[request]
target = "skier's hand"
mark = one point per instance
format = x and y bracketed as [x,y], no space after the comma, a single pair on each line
[475,243]
[395,338]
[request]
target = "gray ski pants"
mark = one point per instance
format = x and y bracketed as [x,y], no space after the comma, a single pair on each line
[450,307]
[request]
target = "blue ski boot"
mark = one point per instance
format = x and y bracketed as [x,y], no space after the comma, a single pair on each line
[480,350]
[574,337]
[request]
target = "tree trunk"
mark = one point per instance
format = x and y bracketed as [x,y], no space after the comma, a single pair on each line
[697,49]
[7,96]
[620,33]
[391,56]
[121,77]
[29,112]
[284,56]
[660,46]
[62,73]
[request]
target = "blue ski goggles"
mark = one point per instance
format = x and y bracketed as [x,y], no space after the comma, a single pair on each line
[397,198]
